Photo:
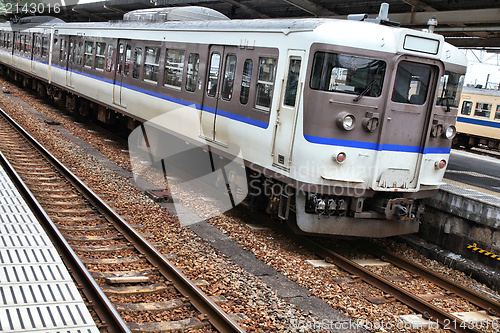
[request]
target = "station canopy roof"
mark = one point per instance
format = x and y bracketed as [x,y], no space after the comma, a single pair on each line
[464,23]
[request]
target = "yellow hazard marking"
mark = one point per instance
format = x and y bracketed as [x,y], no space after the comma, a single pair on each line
[486,253]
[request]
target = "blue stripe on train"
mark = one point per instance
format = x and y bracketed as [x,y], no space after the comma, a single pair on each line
[376,146]
[479,122]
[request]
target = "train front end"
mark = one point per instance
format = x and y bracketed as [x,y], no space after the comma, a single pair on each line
[379,115]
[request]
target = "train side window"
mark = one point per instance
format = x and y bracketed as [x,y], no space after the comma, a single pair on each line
[110,58]
[497,113]
[137,62]
[245,81]
[213,77]
[152,64]
[466,108]
[228,82]
[292,82]
[174,68]
[100,50]
[193,67]
[482,110]
[89,49]
[265,83]
[45,46]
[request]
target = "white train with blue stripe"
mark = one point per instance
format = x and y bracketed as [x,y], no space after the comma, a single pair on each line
[342,125]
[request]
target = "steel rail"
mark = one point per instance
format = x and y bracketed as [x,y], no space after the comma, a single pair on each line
[428,310]
[99,301]
[472,296]
[216,316]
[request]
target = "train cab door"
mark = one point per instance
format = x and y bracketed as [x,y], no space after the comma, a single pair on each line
[123,54]
[405,127]
[286,119]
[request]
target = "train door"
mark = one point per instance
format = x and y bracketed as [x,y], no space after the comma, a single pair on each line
[406,123]
[71,60]
[211,95]
[123,55]
[34,41]
[286,121]
[220,74]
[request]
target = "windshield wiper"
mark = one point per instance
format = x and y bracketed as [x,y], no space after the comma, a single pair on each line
[364,92]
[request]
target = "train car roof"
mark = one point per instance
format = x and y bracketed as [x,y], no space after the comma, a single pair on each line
[481,91]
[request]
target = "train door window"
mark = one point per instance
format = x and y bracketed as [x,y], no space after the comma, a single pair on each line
[22,43]
[88,56]
[100,50]
[63,51]
[137,62]
[79,54]
[152,64]
[10,40]
[412,83]
[482,110]
[110,58]
[45,46]
[466,108]
[292,82]
[497,113]
[228,82]
[37,46]
[72,51]
[213,77]
[265,83]
[128,58]
[193,67]
[174,68]
[27,44]
[245,81]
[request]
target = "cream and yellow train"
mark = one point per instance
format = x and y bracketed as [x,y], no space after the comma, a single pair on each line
[478,121]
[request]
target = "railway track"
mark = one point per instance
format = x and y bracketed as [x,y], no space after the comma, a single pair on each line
[420,303]
[139,282]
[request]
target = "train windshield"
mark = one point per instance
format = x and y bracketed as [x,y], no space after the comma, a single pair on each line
[347,74]
[450,89]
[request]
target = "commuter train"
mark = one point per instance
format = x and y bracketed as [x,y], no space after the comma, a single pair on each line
[342,125]
[478,120]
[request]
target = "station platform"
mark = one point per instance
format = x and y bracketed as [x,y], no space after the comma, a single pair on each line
[37,293]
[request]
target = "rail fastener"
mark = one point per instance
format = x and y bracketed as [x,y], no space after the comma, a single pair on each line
[486,253]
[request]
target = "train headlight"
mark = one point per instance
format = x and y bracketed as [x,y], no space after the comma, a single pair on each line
[346,121]
[449,132]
